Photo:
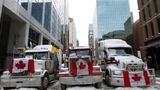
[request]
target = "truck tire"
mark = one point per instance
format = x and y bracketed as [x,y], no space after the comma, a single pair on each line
[107,75]
[44,82]
[98,85]
[63,87]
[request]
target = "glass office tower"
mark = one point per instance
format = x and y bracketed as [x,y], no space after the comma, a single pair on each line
[111,16]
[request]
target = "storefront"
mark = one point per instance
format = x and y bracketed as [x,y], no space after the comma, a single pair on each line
[153,54]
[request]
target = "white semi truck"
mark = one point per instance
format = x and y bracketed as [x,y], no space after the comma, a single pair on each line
[121,67]
[39,66]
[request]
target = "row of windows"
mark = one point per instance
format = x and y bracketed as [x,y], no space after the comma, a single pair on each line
[34,38]
[50,21]
[111,15]
[152,29]
[151,9]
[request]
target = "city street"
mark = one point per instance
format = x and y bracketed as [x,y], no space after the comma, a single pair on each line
[80,44]
[56,86]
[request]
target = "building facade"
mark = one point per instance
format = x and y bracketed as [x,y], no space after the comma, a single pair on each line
[150,19]
[138,37]
[111,16]
[72,33]
[27,23]
[91,36]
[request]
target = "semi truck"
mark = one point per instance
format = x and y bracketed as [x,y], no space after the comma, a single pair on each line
[80,70]
[121,67]
[37,68]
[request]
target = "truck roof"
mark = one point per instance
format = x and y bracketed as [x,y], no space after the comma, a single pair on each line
[41,48]
[109,43]
[80,47]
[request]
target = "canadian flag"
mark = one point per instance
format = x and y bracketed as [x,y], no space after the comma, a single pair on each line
[81,67]
[22,65]
[140,78]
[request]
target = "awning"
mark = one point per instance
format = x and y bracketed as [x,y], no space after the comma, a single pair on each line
[154,44]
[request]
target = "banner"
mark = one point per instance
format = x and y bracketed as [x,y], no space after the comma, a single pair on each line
[22,65]
[139,78]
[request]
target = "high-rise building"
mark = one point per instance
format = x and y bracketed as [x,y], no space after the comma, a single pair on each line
[150,19]
[91,36]
[26,23]
[111,16]
[72,33]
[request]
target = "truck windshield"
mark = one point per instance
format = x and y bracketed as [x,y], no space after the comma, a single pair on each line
[18,53]
[79,52]
[37,55]
[120,51]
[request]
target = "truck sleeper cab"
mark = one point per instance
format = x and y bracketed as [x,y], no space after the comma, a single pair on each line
[121,67]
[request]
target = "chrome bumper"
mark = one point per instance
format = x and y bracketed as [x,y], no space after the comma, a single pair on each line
[80,80]
[20,82]
[117,81]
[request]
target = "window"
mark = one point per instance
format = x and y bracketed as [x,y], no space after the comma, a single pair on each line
[146,31]
[152,29]
[37,55]
[149,10]
[144,16]
[120,51]
[158,23]
[80,52]
[142,2]
[155,6]
[33,38]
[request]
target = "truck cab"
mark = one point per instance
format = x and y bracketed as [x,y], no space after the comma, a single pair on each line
[121,67]
[81,70]
[37,68]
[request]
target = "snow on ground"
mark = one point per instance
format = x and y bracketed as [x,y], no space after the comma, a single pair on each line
[25,89]
[136,88]
[119,88]
[82,88]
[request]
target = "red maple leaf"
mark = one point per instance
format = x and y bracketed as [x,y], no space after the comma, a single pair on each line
[136,77]
[20,65]
[82,65]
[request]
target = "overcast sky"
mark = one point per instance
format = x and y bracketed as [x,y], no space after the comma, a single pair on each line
[82,12]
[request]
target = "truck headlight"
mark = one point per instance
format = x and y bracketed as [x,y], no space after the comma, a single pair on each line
[6,74]
[118,72]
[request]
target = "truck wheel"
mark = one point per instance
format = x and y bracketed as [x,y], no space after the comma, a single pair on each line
[4,89]
[44,82]
[63,87]
[98,85]
[107,81]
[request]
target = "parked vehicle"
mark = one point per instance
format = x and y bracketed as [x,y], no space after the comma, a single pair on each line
[37,68]
[121,67]
[80,69]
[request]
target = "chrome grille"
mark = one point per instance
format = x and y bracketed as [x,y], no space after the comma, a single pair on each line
[134,67]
